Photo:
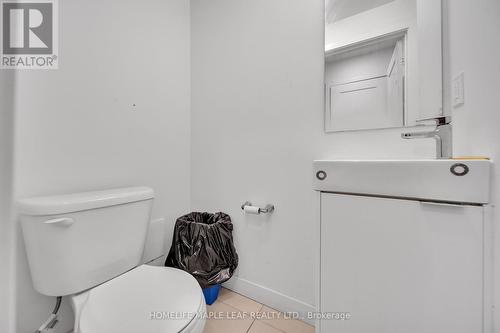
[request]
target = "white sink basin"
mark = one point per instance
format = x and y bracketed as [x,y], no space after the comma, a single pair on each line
[461,181]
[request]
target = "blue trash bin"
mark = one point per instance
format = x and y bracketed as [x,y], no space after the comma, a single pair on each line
[211,293]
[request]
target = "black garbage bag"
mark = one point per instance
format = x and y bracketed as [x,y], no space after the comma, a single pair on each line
[203,246]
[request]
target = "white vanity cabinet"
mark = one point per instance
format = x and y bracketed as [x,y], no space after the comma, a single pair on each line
[401,265]
[404,246]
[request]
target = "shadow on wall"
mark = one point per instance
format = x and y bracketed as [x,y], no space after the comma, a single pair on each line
[7,83]
[16,278]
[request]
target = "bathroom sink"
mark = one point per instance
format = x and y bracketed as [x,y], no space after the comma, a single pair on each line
[447,180]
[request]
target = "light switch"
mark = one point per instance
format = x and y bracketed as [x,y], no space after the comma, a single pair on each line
[458,90]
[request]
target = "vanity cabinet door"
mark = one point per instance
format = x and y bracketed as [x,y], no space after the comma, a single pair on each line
[400,265]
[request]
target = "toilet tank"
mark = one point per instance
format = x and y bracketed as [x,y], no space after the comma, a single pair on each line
[77,241]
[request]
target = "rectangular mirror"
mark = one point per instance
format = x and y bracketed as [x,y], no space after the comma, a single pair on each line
[383,63]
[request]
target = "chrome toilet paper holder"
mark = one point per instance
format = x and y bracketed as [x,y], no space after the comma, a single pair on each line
[266,210]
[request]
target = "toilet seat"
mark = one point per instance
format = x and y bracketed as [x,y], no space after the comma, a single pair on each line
[147,299]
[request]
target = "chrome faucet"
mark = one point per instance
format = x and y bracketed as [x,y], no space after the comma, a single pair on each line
[442,134]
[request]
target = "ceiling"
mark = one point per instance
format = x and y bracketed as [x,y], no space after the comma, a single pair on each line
[339,9]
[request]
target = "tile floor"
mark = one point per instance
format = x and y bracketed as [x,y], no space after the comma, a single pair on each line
[232,313]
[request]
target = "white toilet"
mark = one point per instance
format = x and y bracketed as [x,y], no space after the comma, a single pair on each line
[89,245]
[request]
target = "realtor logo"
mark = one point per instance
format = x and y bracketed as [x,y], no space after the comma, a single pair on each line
[29,34]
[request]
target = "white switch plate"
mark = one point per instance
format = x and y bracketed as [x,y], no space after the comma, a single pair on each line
[458,90]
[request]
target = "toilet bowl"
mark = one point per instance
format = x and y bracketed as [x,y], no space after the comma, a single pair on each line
[147,299]
[88,246]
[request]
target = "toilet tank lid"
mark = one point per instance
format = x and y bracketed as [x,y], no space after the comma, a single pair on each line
[75,202]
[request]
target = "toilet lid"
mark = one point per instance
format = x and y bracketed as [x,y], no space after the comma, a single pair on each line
[147,299]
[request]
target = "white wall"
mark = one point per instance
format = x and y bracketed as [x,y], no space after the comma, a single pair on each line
[257,125]
[472,47]
[77,127]
[6,227]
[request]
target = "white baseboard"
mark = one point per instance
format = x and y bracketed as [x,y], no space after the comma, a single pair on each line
[269,297]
